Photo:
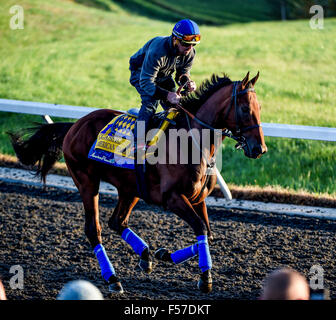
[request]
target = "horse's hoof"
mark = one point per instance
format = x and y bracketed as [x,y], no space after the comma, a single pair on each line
[163,255]
[116,288]
[205,283]
[145,262]
[115,285]
[146,266]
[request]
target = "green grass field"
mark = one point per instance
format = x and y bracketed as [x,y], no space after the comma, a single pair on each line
[77,54]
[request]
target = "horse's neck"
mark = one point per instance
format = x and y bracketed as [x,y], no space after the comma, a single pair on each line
[211,109]
[208,113]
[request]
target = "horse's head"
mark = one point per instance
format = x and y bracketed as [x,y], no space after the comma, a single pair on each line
[240,113]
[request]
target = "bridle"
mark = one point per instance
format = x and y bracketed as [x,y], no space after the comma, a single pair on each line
[238,136]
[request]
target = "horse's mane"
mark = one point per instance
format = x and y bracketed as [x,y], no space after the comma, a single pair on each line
[194,100]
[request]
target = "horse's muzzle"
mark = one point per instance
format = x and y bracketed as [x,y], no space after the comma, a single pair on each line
[255,151]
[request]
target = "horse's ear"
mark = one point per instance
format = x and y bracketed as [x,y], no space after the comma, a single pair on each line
[245,80]
[254,80]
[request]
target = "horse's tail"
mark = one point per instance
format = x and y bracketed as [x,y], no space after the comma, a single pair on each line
[44,146]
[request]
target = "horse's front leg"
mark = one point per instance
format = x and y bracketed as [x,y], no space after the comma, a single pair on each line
[202,211]
[180,205]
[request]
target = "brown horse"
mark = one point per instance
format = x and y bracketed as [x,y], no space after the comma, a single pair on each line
[182,188]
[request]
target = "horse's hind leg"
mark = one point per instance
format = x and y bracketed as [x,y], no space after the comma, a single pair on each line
[119,223]
[88,186]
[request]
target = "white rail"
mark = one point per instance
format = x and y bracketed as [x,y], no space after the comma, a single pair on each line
[40,108]
[75,112]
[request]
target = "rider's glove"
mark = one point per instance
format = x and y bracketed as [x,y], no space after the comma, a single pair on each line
[173,97]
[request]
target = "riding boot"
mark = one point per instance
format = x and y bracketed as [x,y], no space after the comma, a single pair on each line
[140,130]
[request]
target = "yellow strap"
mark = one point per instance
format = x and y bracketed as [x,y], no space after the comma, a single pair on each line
[171,115]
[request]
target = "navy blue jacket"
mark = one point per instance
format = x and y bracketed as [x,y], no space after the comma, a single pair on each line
[155,63]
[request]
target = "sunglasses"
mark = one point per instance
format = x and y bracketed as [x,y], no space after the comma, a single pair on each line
[191,38]
[186,44]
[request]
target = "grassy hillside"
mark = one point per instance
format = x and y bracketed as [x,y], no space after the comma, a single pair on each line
[211,12]
[72,53]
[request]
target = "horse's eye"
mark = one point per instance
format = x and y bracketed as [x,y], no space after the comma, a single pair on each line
[245,109]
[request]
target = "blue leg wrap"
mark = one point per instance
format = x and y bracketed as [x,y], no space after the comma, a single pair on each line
[204,253]
[184,254]
[106,267]
[137,244]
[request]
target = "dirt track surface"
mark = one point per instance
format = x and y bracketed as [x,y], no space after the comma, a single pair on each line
[43,231]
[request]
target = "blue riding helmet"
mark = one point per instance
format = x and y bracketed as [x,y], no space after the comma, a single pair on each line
[187,31]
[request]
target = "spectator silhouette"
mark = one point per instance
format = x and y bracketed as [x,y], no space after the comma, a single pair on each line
[80,290]
[285,284]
